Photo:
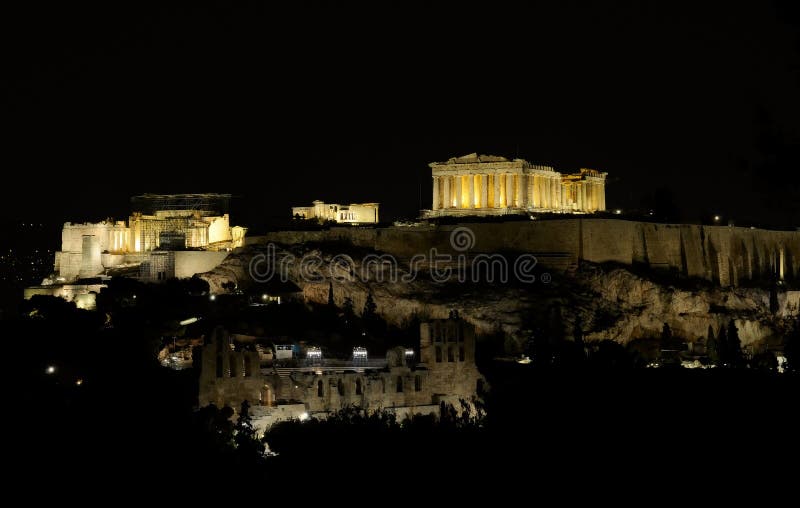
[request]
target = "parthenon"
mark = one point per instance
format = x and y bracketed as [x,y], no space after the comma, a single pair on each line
[493,185]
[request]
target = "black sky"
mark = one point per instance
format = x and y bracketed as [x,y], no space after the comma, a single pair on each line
[283,106]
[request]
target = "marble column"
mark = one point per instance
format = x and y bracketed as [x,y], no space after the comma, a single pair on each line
[536,191]
[603,196]
[446,192]
[556,193]
[519,184]
[496,190]
[436,203]
[509,190]
[471,190]
[458,180]
[548,193]
[583,197]
[484,191]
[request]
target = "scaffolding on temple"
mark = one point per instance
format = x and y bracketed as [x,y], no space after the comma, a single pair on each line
[207,204]
[174,221]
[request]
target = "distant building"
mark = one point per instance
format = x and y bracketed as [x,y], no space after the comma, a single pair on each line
[354,213]
[493,185]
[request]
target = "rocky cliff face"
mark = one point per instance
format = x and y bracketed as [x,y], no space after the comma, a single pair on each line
[605,303]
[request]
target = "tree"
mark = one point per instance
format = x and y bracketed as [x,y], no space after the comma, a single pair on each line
[734,346]
[370,309]
[712,346]
[722,345]
[247,443]
[791,348]
[347,308]
[666,336]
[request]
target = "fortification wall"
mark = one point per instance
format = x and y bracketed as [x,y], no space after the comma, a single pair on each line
[188,263]
[722,254]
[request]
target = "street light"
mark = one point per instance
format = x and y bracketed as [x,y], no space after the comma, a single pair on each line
[51,369]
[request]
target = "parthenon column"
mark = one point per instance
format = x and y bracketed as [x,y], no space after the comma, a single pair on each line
[603,196]
[458,190]
[436,204]
[585,206]
[446,192]
[484,190]
[496,179]
[519,184]
[548,193]
[509,190]
[471,190]
[556,183]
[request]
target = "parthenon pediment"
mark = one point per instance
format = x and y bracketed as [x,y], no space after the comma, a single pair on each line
[474,157]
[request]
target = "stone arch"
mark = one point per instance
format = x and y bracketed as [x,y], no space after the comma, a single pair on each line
[267,395]
[248,366]
[233,360]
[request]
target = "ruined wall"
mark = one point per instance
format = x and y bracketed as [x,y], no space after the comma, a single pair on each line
[726,255]
[229,377]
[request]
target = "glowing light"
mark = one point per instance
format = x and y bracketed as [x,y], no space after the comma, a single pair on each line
[618,211]
[524,360]
[212,297]
[314,353]
[359,353]
[50,369]
[189,321]
[134,297]
[78,381]
[717,218]
[303,417]
[409,353]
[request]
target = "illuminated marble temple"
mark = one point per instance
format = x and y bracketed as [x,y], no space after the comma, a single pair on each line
[354,213]
[493,185]
[166,236]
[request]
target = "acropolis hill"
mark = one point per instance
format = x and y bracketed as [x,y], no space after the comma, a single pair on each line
[612,278]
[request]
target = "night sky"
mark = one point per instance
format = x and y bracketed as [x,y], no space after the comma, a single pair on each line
[700,105]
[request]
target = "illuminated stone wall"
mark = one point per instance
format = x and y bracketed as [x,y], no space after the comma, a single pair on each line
[83,295]
[722,254]
[492,185]
[190,262]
